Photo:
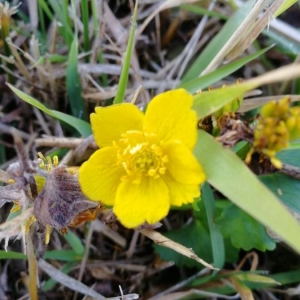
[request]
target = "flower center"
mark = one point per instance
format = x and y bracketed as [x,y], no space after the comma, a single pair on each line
[140,156]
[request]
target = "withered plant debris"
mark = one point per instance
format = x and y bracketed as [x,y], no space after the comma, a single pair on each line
[59,204]
[233,129]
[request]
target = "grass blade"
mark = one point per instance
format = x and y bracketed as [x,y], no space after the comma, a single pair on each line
[196,9]
[74,242]
[85,21]
[64,255]
[73,83]
[81,126]
[45,8]
[119,98]
[217,42]
[217,242]
[204,81]
[11,255]
[60,9]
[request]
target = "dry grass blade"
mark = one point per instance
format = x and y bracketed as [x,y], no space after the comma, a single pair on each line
[33,13]
[256,29]
[242,34]
[18,60]
[75,284]
[164,5]
[249,104]
[279,75]
[62,142]
[235,38]
[113,235]
[68,281]
[165,242]
[183,59]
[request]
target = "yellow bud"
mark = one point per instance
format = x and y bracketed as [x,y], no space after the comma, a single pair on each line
[281,128]
[268,109]
[291,123]
[276,109]
[283,106]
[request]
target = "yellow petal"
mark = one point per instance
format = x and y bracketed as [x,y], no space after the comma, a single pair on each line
[169,115]
[182,165]
[100,176]
[181,193]
[109,123]
[147,201]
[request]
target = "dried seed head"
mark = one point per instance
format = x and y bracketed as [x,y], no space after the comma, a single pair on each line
[61,200]
[54,192]
[6,12]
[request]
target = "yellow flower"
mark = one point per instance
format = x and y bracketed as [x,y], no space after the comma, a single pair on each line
[145,163]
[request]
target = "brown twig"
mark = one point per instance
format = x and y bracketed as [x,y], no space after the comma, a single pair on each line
[60,142]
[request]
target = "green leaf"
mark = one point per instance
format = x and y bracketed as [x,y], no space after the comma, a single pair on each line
[217,242]
[231,253]
[119,98]
[193,236]
[81,126]
[209,102]
[244,231]
[44,5]
[286,188]
[287,277]
[230,176]
[61,12]
[218,42]
[73,83]
[64,255]
[53,58]
[256,278]
[11,255]
[202,82]
[288,156]
[197,9]
[74,242]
